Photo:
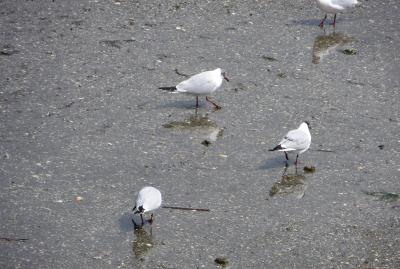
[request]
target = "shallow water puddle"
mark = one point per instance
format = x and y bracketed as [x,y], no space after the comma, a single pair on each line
[384,196]
[193,121]
[324,44]
[290,183]
[200,124]
[143,242]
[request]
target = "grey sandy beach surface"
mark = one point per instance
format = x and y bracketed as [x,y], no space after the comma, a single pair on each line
[83,127]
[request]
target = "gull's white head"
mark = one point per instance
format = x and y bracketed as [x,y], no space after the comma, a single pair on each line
[223,73]
[305,125]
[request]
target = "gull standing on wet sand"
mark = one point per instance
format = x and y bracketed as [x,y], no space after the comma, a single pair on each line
[202,84]
[149,199]
[334,6]
[298,140]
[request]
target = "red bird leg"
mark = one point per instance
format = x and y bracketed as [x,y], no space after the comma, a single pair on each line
[334,21]
[321,24]
[212,102]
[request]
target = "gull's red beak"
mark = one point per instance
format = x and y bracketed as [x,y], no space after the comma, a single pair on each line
[225,77]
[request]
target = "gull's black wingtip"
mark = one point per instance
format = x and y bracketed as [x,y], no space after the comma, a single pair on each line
[170,89]
[276,148]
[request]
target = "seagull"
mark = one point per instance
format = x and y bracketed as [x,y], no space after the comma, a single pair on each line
[149,199]
[201,84]
[298,140]
[334,6]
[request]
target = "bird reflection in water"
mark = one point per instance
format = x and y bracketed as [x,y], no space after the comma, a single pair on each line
[324,44]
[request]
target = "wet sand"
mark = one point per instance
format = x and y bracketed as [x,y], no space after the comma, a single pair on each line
[84,127]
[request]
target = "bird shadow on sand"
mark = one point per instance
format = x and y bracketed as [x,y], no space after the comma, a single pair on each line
[316,22]
[184,104]
[276,162]
[308,22]
[125,222]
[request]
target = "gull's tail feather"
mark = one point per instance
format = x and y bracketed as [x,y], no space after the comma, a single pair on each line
[170,89]
[276,148]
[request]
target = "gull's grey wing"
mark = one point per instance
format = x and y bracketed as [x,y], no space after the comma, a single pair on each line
[344,3]
[294,140]
[198,84]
